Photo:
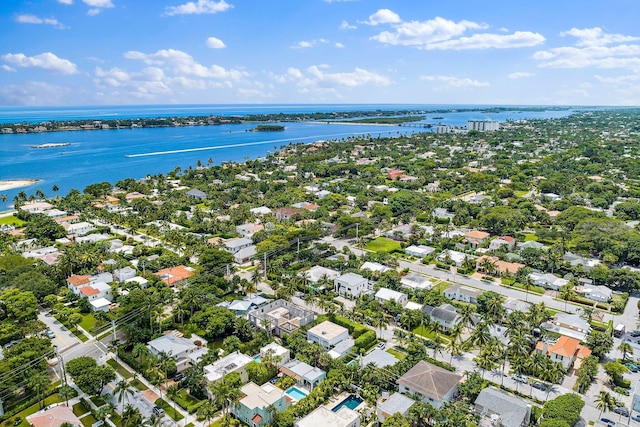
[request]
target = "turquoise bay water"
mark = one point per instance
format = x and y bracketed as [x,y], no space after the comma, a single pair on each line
[113,155]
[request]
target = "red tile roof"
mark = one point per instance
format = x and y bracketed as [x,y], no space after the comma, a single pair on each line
[89,291]
[174,274]
[256,418]
[78,280]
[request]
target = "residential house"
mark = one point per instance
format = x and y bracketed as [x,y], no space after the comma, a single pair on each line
[54,417]
[305,375]
[285,214]
[442,213]
[500,267]
[476,238]
[375,267]
[175,276]
[379,357]
[254,409]
[317,273]
[547,280]
[431,383]
[323,416]
[445,315]
[498,408]
[456,257]
[233,362]
[419,251]
[327,334]
[577,260]
[245,305]
[36,207]
[79,228]
[124,274]
[277,350]
[177,347]
[400,232]
[531,244]
[260,211]
[77,282]
[352,285]
[397,403]
[249,229]
[462,293]
[508,241]
[570,325]
[416,281]
[597,293]
[197,194]
[280,317]
[384,294]
[234,245]
[564,351]
[245,255]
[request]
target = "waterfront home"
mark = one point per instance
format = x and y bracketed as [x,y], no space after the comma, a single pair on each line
[323,416]
[352,285]
[397,403]
[497,407]
[256,406]
[305,375]
[327,334]
[36,207]
[430,383]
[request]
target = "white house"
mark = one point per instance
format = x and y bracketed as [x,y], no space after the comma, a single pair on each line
[508,241]
[548,281]
[416,281]
[79,228]
[327,334]
[493,404]
[419,251]
[124,274]
[235,245]
[317,273]
[384,294]
[445,315]
[352,285]
[176,347]
[397,403]
[431,383]
[277,350]
[233,362]
[462,293]
[598,293]
[323,416]
[375,267]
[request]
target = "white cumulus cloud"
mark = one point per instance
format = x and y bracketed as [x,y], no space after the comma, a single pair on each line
[346,26]
[98,3]
[519,75]
[383,16]
[65,1]
[7,68]
[593,48]
[215,43]
[47,61]
[316,79]
[198,8]
[33,19]
[441,33]
[455,82]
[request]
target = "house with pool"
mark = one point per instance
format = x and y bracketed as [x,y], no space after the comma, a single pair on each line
[306,376]
[323,416]
[253,407]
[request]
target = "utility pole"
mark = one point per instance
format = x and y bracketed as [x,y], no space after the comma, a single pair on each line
[357,227]
[264,264]
[113,327]
[62,373]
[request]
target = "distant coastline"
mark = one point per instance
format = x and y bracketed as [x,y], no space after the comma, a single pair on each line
[51,145]
[11,184]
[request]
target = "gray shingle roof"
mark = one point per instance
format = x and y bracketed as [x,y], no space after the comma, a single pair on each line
[511,409]
[429,380]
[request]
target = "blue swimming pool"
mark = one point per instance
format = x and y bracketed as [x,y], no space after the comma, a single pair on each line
[296,393]
[351,402]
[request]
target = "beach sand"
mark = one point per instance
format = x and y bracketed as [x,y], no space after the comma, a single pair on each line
[10,184]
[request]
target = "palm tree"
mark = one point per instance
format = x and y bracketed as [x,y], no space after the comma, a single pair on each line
[481,335]
[466,313]
[122,391]
[208,410]
[625,348]
[605,402]
[566,293]
[485,361]
[527,285]
[154,420]
[37,382]
[3,198]
[131,416]
[172,394]
[65,393]
[140,350]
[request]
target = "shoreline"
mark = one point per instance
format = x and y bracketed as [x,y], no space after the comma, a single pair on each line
[11,184]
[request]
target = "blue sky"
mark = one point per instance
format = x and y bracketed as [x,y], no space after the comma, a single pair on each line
[94,52]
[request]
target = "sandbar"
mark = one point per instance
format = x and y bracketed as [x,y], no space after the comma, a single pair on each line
[10,184]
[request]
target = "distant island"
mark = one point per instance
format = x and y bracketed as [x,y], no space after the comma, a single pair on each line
[51,145]
[365,117]
[268,128]
[438,118]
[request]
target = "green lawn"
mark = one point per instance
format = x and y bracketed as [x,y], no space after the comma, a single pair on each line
[174,415]
[520,193]
[88,420]
[139,385]
[382,244]
[11,220]
[530,238]
[398,354]
[79,409]
[119,369]
[187,402]
[88,322]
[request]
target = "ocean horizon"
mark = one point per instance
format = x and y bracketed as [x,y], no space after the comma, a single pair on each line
[112,155]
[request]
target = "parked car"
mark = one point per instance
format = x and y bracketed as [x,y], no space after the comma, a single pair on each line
[49,333]
[621,410]
[635,417]
[178,377]
[519,378]
[632,366]
[635,334]
[539,386]
[607,421]
[381,345]
[158,410]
